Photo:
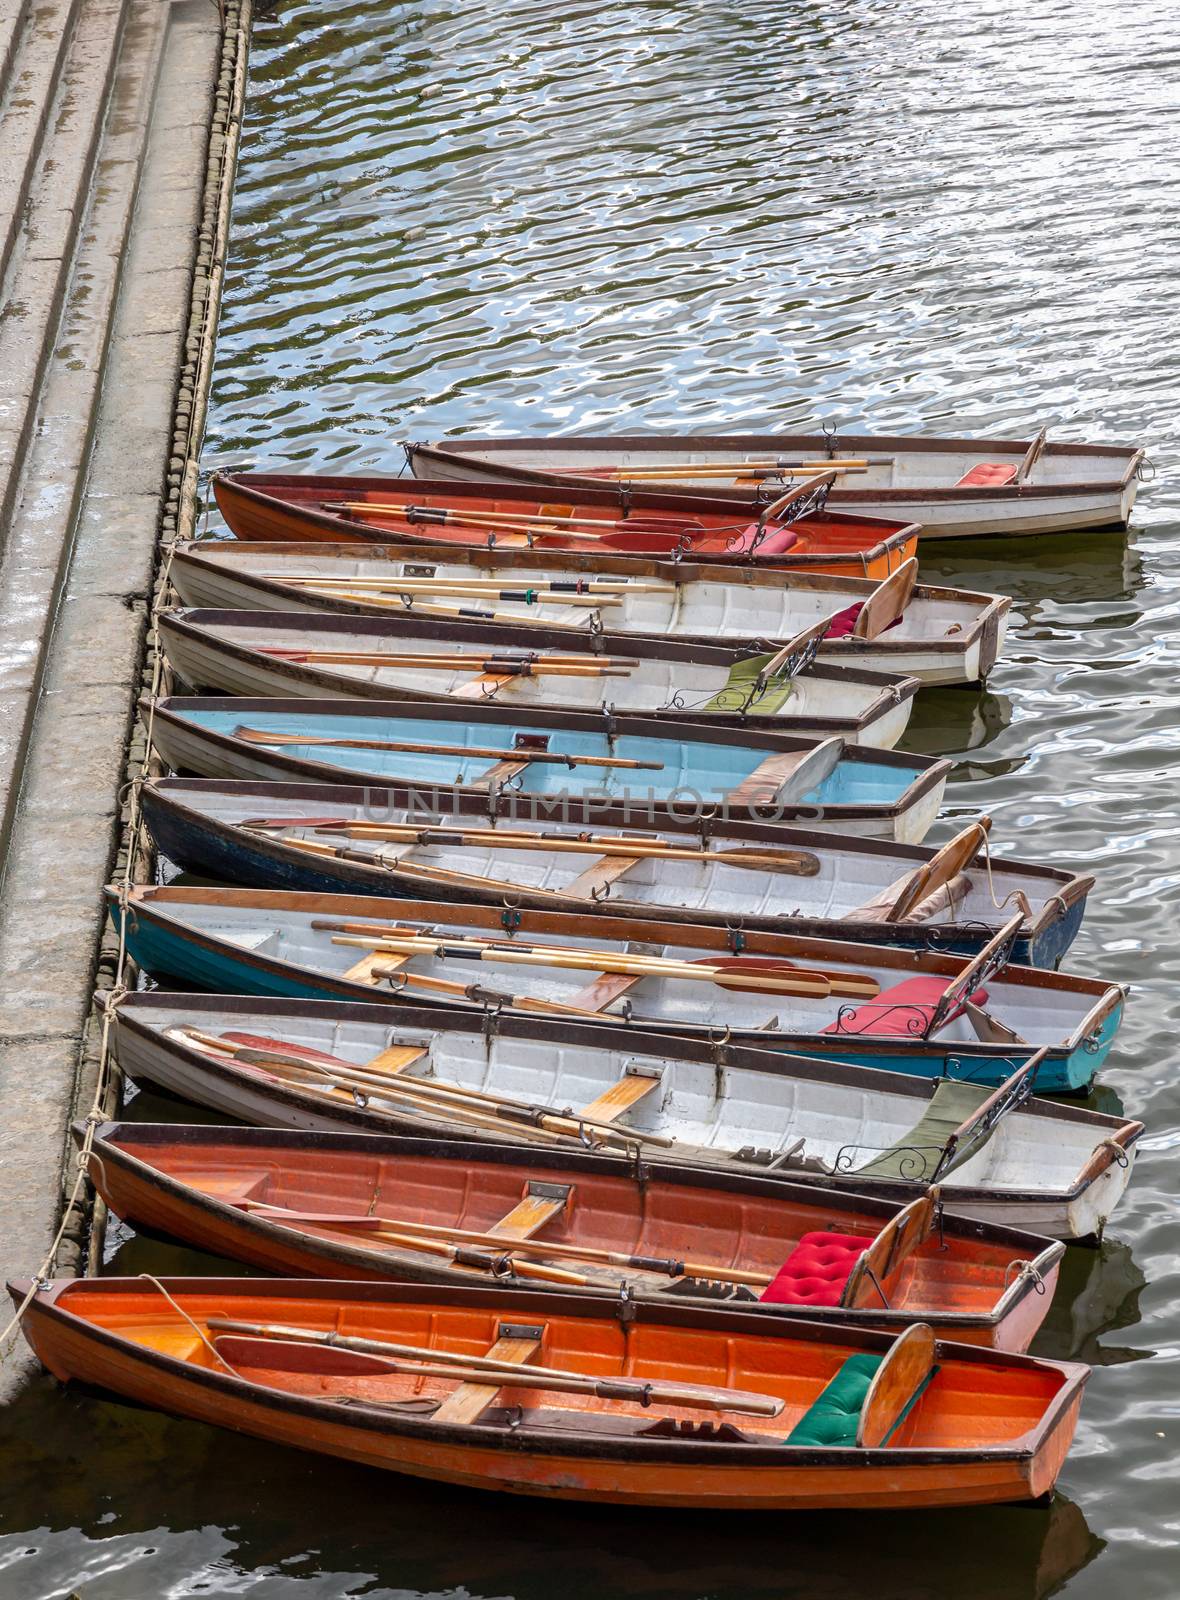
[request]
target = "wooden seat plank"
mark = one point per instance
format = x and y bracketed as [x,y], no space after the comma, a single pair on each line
[529,1215]
[620,1097]
[396,1057]
[605,989]
[469,1400]
[485,686]
[599,875]
[785,779]
[500,772]
[363,971]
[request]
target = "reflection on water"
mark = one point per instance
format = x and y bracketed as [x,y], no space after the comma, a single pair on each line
[949,722]
[537,215]
[1097,1293]
[237,1516]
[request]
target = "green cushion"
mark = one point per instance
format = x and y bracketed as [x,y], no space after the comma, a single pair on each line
[833,1417]
[739,685]
[917,1154]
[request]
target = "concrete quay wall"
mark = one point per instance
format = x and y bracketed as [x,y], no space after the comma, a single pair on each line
[119,122]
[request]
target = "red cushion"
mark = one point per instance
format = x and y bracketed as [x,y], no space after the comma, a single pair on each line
[987,475]
[843,623]
[815,1272]
[906,1009]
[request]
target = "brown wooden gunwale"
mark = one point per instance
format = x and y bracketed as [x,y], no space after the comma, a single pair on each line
[191,624]
[930,771]
[606,1309]
[170,792]
[199,552]
[134,1012]
[264,1241]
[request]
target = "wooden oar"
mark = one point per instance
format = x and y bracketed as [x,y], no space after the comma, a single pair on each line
[386,1085]
[422,608]
[810,985]
[517,667]
[406,597]
[489,588]
[523,521]
[666,1265]
[401,1095]
[799,862]
[742,469]
[468,1368]
[412,747]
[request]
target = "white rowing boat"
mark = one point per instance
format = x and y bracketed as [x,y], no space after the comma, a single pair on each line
[941,636]
[337,839]
[405,658]
[953,487]
[1030,1163]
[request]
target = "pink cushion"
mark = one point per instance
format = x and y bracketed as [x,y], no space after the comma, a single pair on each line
[815,1272]
[987,475]
[845,621]
[904,1010]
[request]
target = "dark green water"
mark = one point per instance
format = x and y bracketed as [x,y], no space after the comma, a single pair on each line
[569,216]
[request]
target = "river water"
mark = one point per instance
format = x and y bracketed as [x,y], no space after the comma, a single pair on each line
[542,215]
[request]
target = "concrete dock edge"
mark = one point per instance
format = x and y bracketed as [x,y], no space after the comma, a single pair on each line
[100,475]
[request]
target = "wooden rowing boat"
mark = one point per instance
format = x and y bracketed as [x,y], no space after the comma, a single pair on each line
[1006,1158]
[919,1012]
[411,658]
[329,1205]
[549,760]
[944,636]
[573,1398]
[329,839]
[951,487]
[612,522]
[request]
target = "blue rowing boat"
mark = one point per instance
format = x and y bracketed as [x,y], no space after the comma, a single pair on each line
[920,1013]
[516,757]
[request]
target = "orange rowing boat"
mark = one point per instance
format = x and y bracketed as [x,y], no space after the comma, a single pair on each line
[596,1399]
[609,522]
[333,1205]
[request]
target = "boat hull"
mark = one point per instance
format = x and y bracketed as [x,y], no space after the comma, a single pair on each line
[873,709]
[212,846]
[1076,1207]
[166,946]
[190,738]
[288,507]
[231,575]
[156,1200]
[1101,498]
[648,1473]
